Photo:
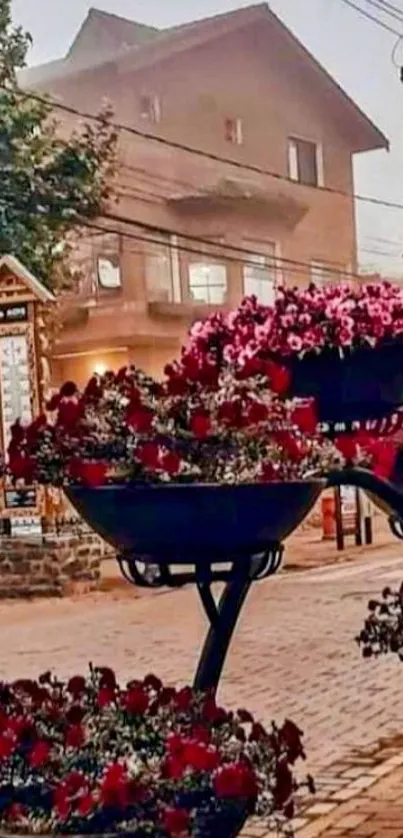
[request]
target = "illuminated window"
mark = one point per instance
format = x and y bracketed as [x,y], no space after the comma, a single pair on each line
[259,277]
[208,282]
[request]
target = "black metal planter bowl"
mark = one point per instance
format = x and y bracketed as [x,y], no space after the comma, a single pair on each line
[363,384]
[185,523]
[387,495]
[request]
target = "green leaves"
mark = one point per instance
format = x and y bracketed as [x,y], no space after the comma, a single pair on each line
[50,185]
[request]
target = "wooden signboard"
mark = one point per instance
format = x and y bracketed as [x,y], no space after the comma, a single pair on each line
[24,369]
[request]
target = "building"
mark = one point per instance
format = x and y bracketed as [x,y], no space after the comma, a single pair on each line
[202,232]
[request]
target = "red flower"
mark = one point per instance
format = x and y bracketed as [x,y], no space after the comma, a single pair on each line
[75,737]
[170,462]
[153,682]
[22,467]
[280,378]
[76,686]
[68,389]
[17,433]
[140,420]
[304,416]
[384,458]
[200,757]
[15,812]
[347,445]
[68,414]
[257,412]
[107,677]
[291,737]
[7,746]
[184,699]
[176,821]
[106,696]
[116,788]
[93,391]
[148,455]
[92,474]
[236,780]
[284,784]
[136,701]
[86,804]
[39,754]
[200,425]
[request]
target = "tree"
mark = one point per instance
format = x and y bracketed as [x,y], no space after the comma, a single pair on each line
[50,185]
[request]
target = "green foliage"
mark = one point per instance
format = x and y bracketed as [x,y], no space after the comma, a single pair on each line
[52,180]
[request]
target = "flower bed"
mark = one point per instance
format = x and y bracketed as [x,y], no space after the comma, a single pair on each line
[88,757]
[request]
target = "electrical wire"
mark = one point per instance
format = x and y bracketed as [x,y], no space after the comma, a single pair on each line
[395,13]
[206,154]
[371,17]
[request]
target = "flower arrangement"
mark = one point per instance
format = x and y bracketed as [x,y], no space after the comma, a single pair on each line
[87,756]
[126,427]
[383,627]
[311,320]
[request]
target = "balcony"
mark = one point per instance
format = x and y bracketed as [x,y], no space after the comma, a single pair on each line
[281,204]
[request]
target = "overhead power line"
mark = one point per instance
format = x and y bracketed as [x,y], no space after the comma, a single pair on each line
[392,11]
[207,154]
[372,18]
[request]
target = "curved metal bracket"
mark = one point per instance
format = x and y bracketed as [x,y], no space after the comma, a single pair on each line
[396,526]
[390,495]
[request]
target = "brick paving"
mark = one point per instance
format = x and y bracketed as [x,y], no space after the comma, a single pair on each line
[293,655]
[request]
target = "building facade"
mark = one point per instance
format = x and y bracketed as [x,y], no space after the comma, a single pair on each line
[269,199]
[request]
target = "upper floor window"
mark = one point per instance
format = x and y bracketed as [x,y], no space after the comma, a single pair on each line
[327,272]
[234,131]
[259,277]
[305,162]
[162,270]
[108,273]
[208,282]
[150,108]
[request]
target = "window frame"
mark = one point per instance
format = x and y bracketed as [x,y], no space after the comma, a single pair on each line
[293,161]
[210,263]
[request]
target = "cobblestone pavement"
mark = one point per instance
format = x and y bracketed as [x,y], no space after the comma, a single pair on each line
[293,654]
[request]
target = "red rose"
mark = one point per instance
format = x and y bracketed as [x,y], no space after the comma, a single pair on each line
[92,474]
[68,414]
[76,686]
[86,804]
[284,784]
[196,755]
[39,754]
[22,467]
[7,746]
[200,425]
[115,787]
[15,812]
[75,737]
[184,699]
[291,737]
[304,416]
[176,821]
[17,432]
[170,462]
[68,389]
[139,420]
[236,780]
[106,696]
[257,412]
[152,682]
[136,701]
[107,677]
[280,378]
[174,768]
[384,458]
[148,455]
[347,445]
[245,717]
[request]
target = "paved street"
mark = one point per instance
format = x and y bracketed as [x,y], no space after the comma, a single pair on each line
[293,653]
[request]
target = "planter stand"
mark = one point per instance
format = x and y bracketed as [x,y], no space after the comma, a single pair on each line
[223,616]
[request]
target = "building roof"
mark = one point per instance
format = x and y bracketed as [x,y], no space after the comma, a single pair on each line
[34,285]
[136,46]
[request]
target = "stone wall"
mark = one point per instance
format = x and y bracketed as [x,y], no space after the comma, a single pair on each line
[55,566]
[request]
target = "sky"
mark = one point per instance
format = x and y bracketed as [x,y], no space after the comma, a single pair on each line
[354,50]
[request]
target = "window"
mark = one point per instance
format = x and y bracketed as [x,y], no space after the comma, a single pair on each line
[233,131]
[150,109]
[305,162]
[163,271]
[326,272]
[208,282]
[108,273]
[259,278]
